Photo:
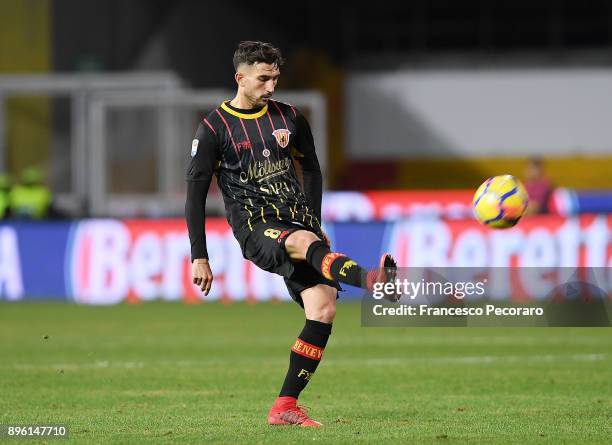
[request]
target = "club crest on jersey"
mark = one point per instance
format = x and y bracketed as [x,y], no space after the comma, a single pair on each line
[282,137]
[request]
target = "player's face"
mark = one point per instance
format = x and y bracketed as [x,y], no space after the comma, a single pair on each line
[258,82]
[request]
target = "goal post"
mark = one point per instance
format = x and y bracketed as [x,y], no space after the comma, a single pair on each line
[132,134]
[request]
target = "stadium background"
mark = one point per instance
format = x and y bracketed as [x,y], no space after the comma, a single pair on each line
[412,105]
[411,109]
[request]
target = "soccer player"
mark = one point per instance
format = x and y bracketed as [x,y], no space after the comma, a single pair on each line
[251,143]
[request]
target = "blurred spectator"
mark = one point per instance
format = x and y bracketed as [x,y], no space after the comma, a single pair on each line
[539,187]
[5,190]
[31,198]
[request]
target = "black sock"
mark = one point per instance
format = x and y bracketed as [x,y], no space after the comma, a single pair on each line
[306,354]
[335,266]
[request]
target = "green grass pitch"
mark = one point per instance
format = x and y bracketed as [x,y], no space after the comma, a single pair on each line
[174,373]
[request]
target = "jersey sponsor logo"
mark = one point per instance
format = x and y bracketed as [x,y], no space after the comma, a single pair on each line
[327,262]
[282,137]
[278,188]
[264,170]
[307,350]
[194,147]
[244,145]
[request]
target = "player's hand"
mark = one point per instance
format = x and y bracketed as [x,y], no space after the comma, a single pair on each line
[201,274]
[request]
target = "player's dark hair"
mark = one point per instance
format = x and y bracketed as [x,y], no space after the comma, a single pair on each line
[251,52]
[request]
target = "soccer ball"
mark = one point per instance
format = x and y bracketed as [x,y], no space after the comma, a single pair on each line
[500,202]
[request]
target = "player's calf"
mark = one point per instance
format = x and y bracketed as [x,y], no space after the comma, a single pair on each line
[320,303]
[338,267]
[335,266]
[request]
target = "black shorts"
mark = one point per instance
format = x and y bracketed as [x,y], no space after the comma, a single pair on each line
[264,247]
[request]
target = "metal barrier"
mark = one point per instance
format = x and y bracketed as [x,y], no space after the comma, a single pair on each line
[78,88]
[178,114]
[123,125]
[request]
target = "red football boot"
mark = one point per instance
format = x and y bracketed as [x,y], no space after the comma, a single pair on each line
[285,411]
[386,273]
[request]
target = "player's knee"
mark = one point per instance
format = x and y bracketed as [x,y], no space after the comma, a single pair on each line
[324,313]
[328,313]
[297,243]
[325,309]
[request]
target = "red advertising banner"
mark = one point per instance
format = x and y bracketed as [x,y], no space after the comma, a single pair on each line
[110,261]
[540,241]
[394,205]
[142,260]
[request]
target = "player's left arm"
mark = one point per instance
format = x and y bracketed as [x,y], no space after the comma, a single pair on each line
[306,156]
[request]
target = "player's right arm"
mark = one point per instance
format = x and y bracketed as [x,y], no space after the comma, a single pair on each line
[204,156]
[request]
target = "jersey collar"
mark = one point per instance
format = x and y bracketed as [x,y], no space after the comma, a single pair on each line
[256,115]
